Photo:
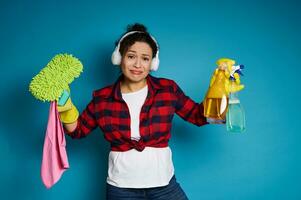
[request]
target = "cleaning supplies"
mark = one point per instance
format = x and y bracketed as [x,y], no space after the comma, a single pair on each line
[216,100]
[235,118]
[52,84]
[68,112]
[225,80]
[64,97]
[53,80]
[54,160]
[236,121]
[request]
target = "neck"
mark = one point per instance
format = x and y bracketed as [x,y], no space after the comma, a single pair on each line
[128,86]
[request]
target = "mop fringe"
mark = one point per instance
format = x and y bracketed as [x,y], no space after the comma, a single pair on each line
[55,77]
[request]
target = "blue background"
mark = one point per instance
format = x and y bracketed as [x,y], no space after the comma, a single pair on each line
[262,163]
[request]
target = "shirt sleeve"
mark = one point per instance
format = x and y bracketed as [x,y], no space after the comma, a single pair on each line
[86,122]
[187,109]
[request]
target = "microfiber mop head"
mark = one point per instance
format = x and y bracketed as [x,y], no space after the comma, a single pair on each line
[55,77]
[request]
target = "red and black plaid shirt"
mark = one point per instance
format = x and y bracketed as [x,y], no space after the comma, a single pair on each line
[109,111]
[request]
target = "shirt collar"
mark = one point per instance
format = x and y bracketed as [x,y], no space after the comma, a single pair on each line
[152,82]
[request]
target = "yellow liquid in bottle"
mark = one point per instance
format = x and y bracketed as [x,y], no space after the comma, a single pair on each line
[216,108]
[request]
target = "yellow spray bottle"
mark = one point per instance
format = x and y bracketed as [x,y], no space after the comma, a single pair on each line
[217,97]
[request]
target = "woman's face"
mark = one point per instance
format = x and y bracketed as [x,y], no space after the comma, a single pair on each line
[136,62]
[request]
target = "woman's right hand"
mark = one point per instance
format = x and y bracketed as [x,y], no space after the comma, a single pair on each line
[68,115]
[68,112]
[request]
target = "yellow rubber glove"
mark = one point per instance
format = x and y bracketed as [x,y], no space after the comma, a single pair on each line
[68,112]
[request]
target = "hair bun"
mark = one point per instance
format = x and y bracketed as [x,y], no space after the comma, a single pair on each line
[136,27]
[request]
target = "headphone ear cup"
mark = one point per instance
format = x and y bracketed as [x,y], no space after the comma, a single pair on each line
[155,64]
[116,57]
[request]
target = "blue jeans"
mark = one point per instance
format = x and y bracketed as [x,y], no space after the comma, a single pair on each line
[172,191]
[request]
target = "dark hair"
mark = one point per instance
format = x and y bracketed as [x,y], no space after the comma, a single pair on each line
[142,36]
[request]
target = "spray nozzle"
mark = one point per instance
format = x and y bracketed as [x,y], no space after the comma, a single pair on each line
[236,69]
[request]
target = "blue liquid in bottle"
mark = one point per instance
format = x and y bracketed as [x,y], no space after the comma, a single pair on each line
[235,122]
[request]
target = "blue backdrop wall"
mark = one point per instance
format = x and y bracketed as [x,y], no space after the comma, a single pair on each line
[262,163]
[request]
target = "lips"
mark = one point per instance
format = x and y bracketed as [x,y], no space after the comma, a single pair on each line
[136,72]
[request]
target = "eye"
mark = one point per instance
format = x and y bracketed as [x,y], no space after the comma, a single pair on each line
[146,59]
[131,56]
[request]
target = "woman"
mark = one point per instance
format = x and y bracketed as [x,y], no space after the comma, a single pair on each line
[135,114]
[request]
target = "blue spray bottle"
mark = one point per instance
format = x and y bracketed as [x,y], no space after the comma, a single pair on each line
[235,117]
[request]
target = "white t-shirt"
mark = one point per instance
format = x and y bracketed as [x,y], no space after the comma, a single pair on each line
[152,167]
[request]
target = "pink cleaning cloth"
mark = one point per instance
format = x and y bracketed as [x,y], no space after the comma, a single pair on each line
[55,160]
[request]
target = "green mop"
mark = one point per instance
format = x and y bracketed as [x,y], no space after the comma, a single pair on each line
[52,82]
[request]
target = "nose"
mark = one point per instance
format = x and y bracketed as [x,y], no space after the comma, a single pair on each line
[137,63]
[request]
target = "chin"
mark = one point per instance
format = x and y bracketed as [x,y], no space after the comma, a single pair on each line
[136,79]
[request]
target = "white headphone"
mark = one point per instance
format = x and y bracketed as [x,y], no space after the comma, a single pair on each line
[116,56]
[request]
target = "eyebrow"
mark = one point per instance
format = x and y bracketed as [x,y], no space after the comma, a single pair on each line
[136,52]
